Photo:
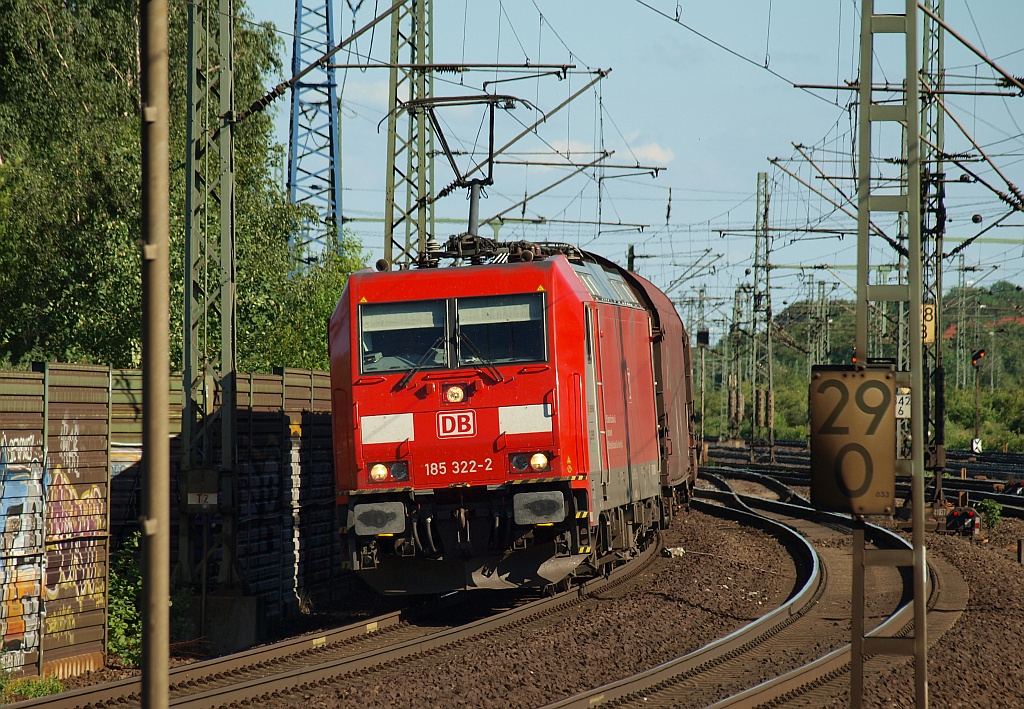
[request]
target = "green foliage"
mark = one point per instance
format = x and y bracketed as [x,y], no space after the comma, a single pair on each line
[992,512]
[15,690]
[295,312]
[70,176]
[124,617]
[993,319]
[181,621]
[124,614]
[69,180]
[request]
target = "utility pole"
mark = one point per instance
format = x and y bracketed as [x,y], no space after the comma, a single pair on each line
[703,341]
[737,353]
[825,313]
[878,116]
[977,358]
[725,394]
[933,228]
[156,522]
[632,256]
[762,420]
[961,323]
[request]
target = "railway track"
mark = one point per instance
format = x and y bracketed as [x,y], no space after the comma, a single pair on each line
[999,467]
[760,664]
[390,648]
[344,655]
[792,469]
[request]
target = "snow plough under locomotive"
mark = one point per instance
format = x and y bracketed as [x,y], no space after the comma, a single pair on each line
[520,419]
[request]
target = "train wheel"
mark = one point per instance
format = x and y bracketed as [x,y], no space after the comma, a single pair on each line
[665,507]
[553,589]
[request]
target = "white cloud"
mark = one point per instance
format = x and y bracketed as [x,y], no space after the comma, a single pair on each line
[653,154]
[372,95]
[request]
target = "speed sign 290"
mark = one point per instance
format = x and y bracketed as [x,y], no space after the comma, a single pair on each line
[853,439]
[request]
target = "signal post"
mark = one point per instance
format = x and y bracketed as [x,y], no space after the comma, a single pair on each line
[854,408]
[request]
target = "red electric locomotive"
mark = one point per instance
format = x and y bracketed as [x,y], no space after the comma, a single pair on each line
[514,421]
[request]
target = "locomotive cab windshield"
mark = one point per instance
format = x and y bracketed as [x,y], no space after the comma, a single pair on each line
[452,334]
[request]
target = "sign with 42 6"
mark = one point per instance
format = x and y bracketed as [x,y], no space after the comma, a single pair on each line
[853,439]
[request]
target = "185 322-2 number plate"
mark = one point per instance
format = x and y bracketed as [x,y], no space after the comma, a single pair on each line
[459,467]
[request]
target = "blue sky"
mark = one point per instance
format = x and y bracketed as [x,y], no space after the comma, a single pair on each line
[703,107]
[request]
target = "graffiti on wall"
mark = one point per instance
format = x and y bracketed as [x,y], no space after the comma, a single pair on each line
[73,509]
[75,533]
[68,453]
[80,584]
[22,561]
[123,457]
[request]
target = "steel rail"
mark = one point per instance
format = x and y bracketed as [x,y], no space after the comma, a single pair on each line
[979,489]
[306,678]
[807,589]
[836,664]
[125,691]
[196,683]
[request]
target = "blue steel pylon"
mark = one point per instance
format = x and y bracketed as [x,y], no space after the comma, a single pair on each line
[314,158]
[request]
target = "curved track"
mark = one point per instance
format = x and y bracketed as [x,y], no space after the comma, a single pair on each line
[799,654]
[773,655]
[986,480]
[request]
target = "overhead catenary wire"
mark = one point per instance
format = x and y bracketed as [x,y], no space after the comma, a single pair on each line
[731,51]
[830,152]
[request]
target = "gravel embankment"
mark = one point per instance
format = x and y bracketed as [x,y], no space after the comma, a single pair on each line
[978,663]
[728,576]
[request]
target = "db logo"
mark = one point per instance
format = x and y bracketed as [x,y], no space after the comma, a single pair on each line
[451,424]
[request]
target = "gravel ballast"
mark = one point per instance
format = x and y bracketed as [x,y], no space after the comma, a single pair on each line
[726,576]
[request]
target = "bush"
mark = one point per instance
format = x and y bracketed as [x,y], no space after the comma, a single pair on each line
[13,690]
[181,623]
[124,615]
[991,510]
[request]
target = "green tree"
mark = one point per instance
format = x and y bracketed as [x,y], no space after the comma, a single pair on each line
[303,307]
[70,286]
[69,182]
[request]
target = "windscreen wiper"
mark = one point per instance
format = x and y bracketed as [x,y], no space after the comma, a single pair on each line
[485,364]
[426,357]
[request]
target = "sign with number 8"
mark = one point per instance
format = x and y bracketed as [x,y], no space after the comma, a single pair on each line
[853,439]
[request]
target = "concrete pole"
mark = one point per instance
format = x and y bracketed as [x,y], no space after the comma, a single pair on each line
[155,520]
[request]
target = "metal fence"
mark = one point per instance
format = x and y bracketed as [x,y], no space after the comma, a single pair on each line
[70,492]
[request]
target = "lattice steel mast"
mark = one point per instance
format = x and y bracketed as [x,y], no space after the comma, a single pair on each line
[207,482]
[314,156]
[878,115]
[762,384]
[408,209]
[933,228]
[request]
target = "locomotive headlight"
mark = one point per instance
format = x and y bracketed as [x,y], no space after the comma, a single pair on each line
[400,470]
[520,462]
[379,473]
[454,394]
[539,461]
